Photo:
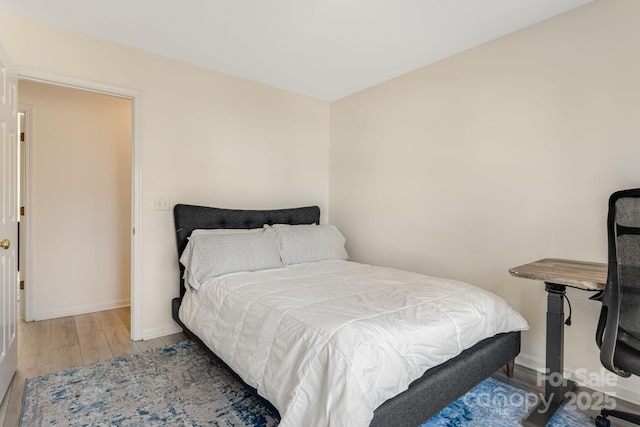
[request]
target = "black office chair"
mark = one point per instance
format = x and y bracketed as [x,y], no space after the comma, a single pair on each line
[618,333]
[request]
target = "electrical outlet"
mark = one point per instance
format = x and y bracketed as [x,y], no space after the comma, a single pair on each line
[163,203]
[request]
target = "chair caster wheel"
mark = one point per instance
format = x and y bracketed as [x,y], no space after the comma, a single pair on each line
[602,421]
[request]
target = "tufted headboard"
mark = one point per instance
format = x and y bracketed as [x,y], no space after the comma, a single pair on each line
[190,217]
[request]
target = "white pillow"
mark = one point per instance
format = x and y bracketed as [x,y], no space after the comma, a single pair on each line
[308,243]
[210,255]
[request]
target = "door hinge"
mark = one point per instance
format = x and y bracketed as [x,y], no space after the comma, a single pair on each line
[21,284]
[21,136]
[22,210]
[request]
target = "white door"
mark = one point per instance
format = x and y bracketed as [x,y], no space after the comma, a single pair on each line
[8,224]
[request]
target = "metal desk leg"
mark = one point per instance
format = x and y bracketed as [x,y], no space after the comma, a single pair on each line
[556,386]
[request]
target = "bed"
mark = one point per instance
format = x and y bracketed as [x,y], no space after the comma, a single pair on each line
[342,388]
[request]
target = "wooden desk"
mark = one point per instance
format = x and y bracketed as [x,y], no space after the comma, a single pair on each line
[588,276]
[557,274]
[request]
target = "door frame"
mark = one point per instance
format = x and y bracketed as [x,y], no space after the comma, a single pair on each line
[25,73]
[26,201]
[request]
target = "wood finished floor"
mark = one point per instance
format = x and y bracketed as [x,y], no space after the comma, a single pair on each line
[49,346]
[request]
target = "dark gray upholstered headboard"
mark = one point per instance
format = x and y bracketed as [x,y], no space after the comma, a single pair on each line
[190,217]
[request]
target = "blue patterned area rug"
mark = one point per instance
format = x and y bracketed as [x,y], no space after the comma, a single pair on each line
[179,385]
[182,385]
[496,404]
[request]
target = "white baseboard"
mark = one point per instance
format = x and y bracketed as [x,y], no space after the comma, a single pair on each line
[149,334]
[92,308]
[621,391]
[530,362]
[83,309]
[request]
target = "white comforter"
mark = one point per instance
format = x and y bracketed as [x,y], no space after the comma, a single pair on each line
[327,342]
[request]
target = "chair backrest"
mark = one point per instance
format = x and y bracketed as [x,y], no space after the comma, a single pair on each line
[619,337]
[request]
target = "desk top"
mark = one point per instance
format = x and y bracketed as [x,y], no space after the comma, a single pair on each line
[590,276]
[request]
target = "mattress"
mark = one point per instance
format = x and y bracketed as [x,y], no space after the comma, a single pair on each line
[328,342]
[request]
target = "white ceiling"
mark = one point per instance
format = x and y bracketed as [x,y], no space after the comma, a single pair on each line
[325,49]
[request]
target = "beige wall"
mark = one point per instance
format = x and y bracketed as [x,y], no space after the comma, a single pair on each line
[80,176]
[496,157]
[206,138]
[493,158]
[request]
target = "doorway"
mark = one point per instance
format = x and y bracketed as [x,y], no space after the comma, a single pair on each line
[78,200]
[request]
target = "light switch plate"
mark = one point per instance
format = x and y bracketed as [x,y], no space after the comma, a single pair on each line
[163,203]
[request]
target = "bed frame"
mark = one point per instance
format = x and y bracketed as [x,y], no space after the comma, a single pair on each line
[426,396]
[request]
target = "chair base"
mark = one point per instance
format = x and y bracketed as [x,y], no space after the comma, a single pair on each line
[602,421]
